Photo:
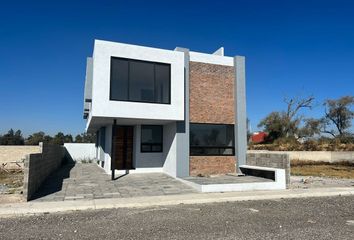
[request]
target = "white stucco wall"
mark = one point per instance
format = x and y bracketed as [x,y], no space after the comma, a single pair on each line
[88,83]
[211,58]
[107,152]
[81,151]
[170,164]
[103,107]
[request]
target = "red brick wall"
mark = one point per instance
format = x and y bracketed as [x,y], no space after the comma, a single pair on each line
[211,93]
[211,100]
[211,165]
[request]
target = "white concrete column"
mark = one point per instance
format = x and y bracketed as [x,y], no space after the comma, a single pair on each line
[240,111]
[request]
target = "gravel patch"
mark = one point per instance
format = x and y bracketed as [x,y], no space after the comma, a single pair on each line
[310,218]
[304,182]
[3,189]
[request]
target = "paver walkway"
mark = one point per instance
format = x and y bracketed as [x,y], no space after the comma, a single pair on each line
[88,181]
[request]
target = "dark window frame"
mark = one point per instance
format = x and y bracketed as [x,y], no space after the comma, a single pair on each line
[150,144]
[217,148]
[136,60]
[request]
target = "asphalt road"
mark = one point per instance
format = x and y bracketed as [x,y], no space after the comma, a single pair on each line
[312,218]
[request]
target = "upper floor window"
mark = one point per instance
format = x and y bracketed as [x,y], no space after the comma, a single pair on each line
[140,81]
[212,139]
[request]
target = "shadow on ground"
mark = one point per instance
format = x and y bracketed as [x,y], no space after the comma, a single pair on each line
[54,183]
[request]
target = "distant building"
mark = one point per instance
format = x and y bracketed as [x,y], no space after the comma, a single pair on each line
[259,137]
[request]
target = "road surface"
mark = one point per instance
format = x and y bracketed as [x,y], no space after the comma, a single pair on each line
[311,218]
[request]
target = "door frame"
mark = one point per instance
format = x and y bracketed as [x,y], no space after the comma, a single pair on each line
[113,160]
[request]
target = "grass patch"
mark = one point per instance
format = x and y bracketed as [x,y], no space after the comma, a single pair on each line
[322,169]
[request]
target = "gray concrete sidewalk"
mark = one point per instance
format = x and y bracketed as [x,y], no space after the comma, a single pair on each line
[30,208]
[88,181]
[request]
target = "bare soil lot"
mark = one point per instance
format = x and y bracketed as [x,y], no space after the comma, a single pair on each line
[11,182]
[344,170]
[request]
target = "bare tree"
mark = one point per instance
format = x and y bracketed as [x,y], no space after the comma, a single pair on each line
[286,123]
[293,120]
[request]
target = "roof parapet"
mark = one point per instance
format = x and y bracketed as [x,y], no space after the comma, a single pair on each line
[219,52]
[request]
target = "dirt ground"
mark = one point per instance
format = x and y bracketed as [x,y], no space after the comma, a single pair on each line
[11,182]
[343,170]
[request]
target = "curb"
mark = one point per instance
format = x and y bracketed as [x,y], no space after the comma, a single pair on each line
[35,208]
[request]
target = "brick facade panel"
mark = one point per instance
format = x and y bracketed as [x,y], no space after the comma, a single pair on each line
[211,93]
[211,100]
[211,165]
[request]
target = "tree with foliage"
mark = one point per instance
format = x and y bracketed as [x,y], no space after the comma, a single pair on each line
[78,138]
[339,115]
[85,138]
[36,138]
[60,138]
[311,127]
[286,123]
[12,138]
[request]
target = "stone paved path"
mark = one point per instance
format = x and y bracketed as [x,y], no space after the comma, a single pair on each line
[88,181]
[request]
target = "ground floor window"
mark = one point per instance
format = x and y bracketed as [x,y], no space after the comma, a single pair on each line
[212,139]
[151,138]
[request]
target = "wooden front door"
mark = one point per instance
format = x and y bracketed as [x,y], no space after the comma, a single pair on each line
[123,147]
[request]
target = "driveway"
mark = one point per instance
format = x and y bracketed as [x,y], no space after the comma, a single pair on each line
[88,181]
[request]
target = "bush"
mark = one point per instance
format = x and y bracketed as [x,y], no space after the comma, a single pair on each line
[321,144]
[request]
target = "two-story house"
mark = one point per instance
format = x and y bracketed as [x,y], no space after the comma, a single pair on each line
[174,111]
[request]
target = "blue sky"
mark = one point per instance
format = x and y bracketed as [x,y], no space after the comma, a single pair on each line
[292,48]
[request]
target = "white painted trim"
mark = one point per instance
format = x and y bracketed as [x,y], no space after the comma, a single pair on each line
[139,170]
[212,59]
[278,184]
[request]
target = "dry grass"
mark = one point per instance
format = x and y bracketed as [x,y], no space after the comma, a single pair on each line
[322,169]
[12,179]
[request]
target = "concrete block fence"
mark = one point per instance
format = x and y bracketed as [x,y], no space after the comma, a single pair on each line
[272,160]
[38,166]
[319,156]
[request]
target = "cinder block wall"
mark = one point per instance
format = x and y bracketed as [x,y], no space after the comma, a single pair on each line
[211,99]
[318,156]
[39,166]
[273,160]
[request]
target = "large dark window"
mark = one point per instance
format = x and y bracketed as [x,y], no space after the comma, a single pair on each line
[211,139]
[140,81]
[151,138]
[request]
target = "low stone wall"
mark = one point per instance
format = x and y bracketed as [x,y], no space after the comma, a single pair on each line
[272,160]
[211,165]
[79,152]
[9,154]
[319,156]
[39,166]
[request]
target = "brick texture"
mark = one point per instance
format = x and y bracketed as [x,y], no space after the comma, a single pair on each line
[211,165]
[211,100]
[211,94]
